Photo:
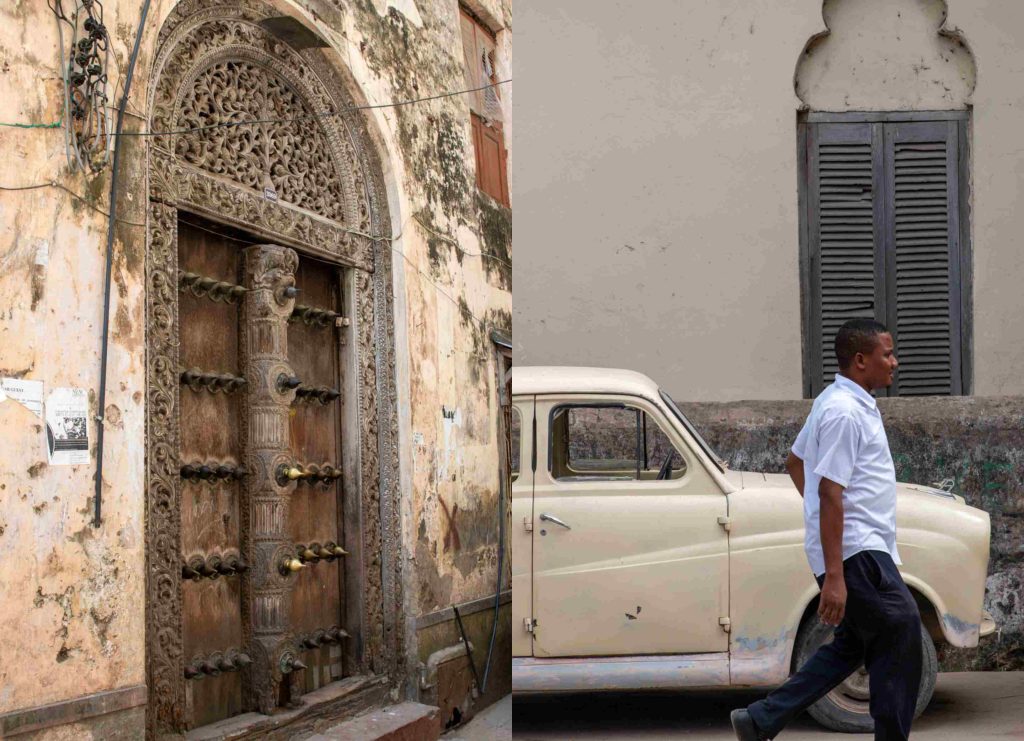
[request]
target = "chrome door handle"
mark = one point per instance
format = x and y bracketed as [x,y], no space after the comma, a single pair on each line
[545,517]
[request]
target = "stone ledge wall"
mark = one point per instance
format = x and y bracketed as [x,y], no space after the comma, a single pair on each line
[978,442]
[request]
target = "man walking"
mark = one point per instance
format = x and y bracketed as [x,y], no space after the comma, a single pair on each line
[841,465]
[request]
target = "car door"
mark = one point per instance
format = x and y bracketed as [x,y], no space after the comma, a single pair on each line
[624,563]
[522,519]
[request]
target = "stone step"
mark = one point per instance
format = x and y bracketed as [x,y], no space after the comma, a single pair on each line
[409,721]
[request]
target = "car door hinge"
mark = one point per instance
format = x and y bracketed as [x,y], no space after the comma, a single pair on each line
[725,522]
[726,624]
[529,624]
[528,524]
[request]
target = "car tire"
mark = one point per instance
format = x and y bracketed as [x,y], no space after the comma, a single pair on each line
[845,709]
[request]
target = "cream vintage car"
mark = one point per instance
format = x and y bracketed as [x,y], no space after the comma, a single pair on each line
[641,561]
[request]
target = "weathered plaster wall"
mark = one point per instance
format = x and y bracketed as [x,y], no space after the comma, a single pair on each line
[70,593]
[975,442]
[455,255]
[657,182]
[882,55]
[76,592]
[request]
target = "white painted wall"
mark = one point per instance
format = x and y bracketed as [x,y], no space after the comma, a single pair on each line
[656,183]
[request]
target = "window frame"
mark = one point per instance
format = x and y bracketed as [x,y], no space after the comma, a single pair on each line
[480,126]
[634,405]
[966,273]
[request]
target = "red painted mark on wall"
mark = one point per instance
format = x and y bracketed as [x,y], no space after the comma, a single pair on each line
[451,536]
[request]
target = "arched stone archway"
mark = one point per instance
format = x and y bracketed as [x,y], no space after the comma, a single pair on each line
[304,183]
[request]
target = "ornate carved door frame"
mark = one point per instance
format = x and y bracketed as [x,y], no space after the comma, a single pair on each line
[313,185]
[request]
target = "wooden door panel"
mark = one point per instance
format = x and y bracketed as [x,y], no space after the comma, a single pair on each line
[315,439]
[209,328]
[210,422]
[215,317]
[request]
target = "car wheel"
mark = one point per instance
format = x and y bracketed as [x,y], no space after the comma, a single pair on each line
[845,708]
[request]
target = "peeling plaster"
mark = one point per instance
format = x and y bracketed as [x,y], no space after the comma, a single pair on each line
[451,451]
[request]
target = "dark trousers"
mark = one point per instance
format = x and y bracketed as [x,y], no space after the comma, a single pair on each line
[882,629]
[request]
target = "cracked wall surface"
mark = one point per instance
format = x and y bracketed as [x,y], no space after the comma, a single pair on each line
[75,591]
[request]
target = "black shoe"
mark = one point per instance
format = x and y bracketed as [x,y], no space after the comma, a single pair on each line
[744,726]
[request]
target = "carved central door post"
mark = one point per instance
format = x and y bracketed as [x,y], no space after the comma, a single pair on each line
[270,278]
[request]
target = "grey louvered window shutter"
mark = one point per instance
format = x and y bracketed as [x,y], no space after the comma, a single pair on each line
[845,227]
[883,241]
[922,255]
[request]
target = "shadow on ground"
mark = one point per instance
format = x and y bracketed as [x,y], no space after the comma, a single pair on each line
[975,706]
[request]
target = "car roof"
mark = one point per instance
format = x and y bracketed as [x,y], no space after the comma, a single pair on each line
[553,379]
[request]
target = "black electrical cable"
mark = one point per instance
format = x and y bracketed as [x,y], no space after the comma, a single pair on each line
[313,116]
[111,225]
[465,642]
[501,573]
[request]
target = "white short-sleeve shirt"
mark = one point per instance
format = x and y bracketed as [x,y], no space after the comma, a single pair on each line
[844,440]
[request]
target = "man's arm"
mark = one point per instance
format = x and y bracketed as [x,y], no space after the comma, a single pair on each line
[832,606]
[795,469]
[838,446]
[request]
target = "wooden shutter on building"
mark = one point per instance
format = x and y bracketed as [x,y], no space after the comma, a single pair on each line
[845,229]
[883,240]
[491,158]
[479,49]
[923,241]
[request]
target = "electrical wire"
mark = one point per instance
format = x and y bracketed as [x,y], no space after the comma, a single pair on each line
[257,121]
[410,262]
[73,194]
[311,116]
[87,132]
[54,125]
[428,279]
[452,241]
[502,490]
[111,223]
[242,241]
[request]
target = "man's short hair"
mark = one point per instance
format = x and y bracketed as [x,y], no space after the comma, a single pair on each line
[857,336]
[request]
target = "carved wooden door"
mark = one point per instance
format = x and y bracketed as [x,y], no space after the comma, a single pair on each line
[315,513]
[262,543]
[212,471]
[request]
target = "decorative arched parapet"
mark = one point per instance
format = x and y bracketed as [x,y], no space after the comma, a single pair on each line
[885,55]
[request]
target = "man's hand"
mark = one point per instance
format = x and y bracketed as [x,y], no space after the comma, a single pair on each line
[832,606]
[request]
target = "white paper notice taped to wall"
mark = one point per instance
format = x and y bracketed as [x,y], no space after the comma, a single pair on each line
[27,393]
[67,427]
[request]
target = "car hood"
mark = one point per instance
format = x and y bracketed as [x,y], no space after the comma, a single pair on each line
[754,480]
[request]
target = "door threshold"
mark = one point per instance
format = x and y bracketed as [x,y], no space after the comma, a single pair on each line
[608,673]
[336,701]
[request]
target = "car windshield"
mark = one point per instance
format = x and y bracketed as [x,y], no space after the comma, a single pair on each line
[718,460]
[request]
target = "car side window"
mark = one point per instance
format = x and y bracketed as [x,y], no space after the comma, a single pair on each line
[516,441]
[610,442]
